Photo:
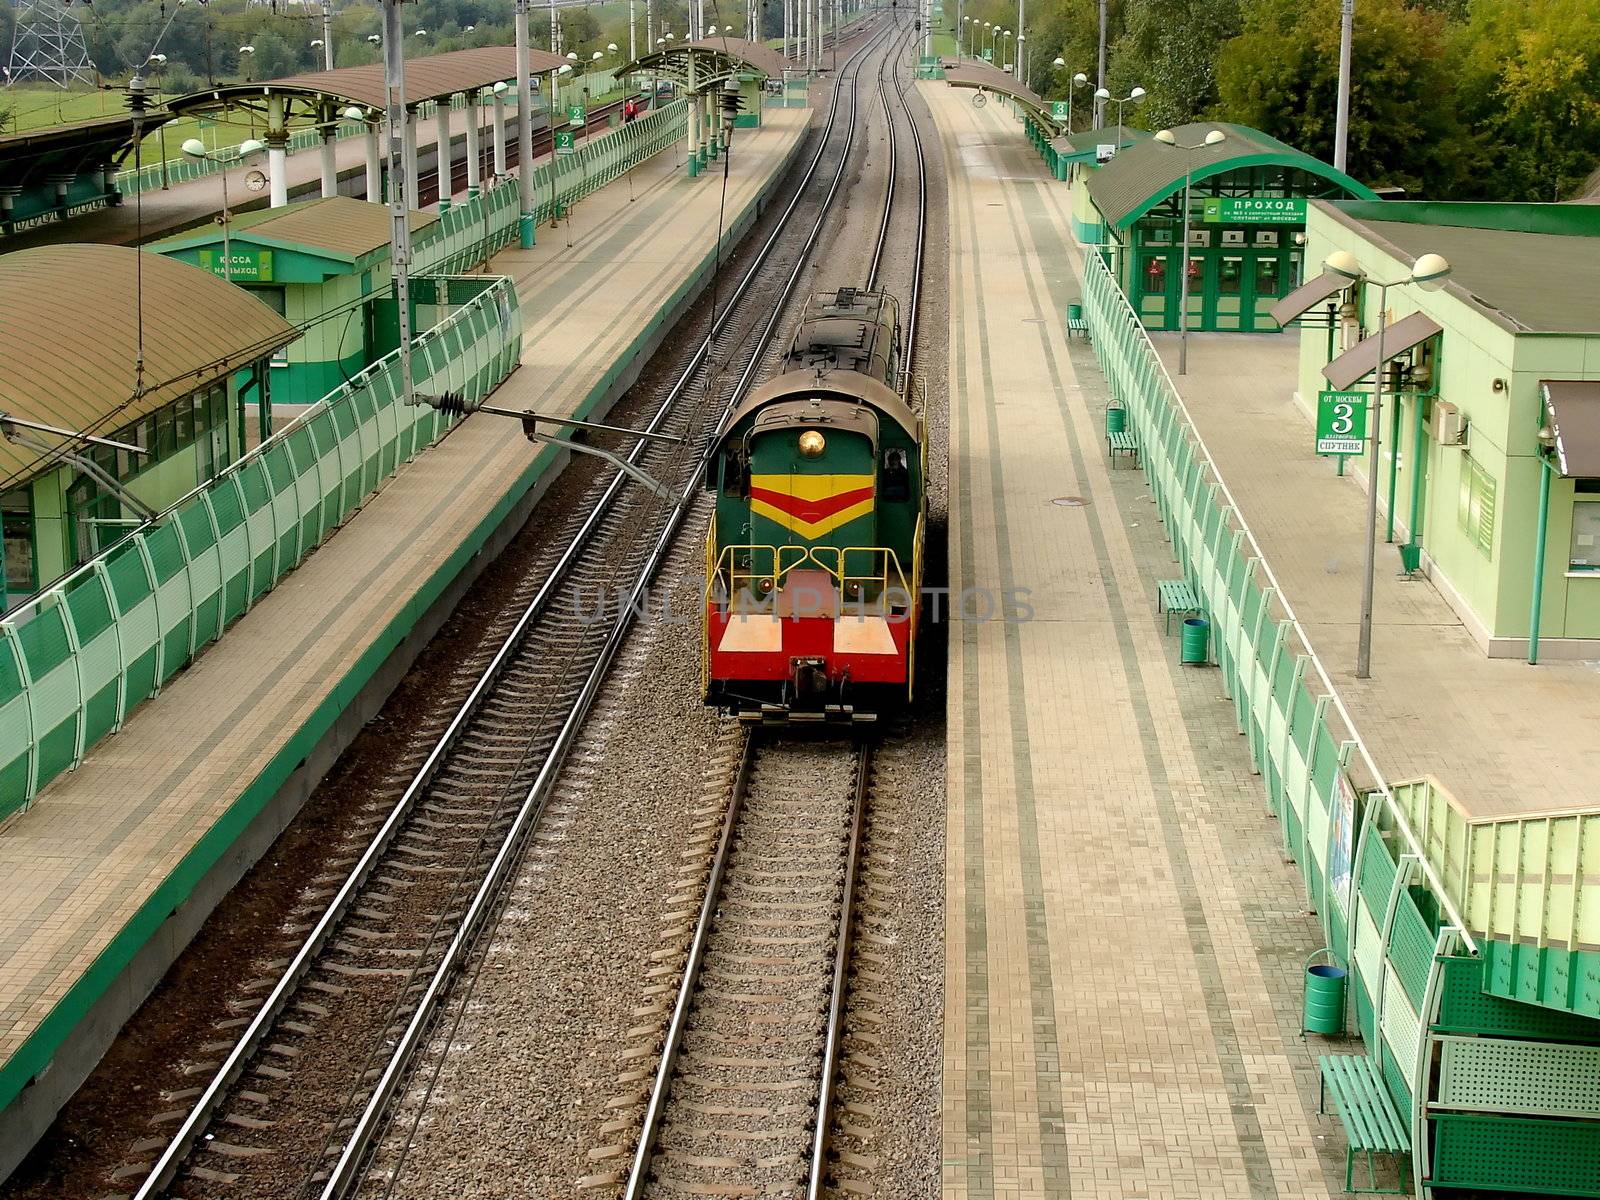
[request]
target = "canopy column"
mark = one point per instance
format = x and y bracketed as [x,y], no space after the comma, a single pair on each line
[445,170]
[374,168]
[412,196]
[277,139]
[474,143]
[329,130]
[499,132]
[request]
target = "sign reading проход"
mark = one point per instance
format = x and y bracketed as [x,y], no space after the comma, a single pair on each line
[1256,210]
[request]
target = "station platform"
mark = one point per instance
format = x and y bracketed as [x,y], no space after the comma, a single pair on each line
[183,205]
[1125,941]
[106,877]
[1504,738]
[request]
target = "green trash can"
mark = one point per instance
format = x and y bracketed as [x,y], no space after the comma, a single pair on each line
[1324,1006]
[1116,419]
[1196,636]
[1074,312]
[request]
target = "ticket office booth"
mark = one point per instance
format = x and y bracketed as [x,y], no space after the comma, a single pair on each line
[1236,275]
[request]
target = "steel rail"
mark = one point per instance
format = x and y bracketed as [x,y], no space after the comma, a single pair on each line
[841,974]
[195,1123]
[888,195]
[823,1129]
[639,1176]
[913,309]
[639,1173]
[347,1171]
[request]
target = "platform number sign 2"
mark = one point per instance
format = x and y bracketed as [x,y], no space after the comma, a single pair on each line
[1341,422]
[576,115]
[566,142]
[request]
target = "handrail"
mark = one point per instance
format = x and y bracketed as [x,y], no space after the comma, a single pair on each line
[1092,263]
[806,554]
[57,668]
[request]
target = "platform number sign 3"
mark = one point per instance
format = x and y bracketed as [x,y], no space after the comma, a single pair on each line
[1058,110]
[1341,422]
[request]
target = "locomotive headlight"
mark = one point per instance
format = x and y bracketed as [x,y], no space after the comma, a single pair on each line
[812,443]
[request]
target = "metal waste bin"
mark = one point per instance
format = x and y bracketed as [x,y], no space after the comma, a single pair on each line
[1116,419]
[1196,638]
[1324,1000]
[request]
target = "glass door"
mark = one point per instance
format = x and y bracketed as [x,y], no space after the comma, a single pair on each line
[1156,288]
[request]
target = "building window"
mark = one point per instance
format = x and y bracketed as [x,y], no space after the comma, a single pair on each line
[16,506]
[1155,275]
[1584,555]
[1267,274]
[275,299]
[1475,508]
[1230,276]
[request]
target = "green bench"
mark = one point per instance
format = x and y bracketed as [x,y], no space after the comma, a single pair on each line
[1123,443]
[1371,1124]
[1077,327]
[1175,597]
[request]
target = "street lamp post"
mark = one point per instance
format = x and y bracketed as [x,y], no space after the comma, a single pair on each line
[195,148]
[1428,273]
[1136,96]
[1077,81]
[1021,72]
[524,62]
[1021,9]
[1215,138]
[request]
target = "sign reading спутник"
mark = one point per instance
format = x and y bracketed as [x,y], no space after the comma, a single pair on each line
[1341,422]
[1257,210]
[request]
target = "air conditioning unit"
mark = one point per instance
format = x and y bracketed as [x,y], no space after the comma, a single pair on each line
[1445,426]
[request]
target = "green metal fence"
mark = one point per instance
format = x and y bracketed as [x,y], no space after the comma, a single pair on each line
[470,232]
[1384,912]
[79,657]
[181,170]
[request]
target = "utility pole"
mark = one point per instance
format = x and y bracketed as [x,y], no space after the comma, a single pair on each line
[1021,11]
[327,34]
[394,82]
[525,125]
[1341,120]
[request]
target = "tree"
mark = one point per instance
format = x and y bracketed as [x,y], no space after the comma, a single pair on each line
[1529,83]
[1280,75]
[1169,49]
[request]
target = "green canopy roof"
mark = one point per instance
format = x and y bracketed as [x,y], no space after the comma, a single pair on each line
[1145,174]
[1084,146]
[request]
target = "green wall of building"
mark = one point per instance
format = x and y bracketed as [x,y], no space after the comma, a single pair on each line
[1493,579]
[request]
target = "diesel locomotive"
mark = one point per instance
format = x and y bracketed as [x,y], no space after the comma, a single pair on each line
[814,553]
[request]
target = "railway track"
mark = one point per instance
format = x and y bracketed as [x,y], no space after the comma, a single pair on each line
[743,1098]
[738,1107]
[297,1102]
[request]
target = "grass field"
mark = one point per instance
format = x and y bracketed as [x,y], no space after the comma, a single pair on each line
[42,106]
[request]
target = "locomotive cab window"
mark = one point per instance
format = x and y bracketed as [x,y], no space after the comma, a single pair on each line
[735,471]
[896,475]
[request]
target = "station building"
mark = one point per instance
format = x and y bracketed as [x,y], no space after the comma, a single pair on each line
[74,319]
[1247,205]
[1077,156]
[1490,446]
[324,266]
